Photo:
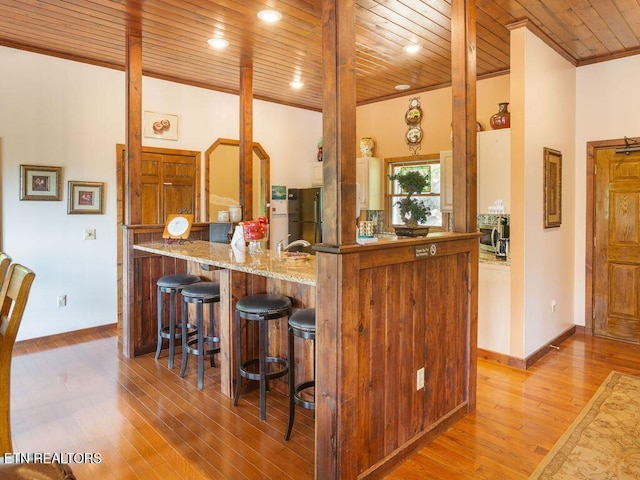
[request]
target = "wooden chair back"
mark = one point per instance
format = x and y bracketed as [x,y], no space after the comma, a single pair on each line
[13,300]
[5,260]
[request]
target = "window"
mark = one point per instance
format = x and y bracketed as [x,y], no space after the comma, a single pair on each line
[428,166]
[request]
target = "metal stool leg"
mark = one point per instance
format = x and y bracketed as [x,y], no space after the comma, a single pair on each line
[238,360]
[211,333]
[159,348]
[292,382]
[200,345]
[262,354]
[185,339]
[172,326]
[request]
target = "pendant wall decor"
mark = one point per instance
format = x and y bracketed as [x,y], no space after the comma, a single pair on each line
[413,118]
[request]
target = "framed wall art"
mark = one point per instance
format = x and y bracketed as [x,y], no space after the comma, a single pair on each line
[160,125]
[40,182]
[552,188]
[85,197]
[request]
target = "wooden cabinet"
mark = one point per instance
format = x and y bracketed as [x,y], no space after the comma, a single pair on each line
[494,304]
[494,169]
[369,179]
[169,185]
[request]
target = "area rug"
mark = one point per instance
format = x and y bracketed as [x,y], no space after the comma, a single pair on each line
[604,441]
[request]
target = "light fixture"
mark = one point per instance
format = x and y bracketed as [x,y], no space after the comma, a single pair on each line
[630,145]
[411,48]
[218,43]
[402,86]
[269,16]
[296,84]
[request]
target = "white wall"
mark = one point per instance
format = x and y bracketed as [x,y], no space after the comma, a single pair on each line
[542,259]
[607,101]
[72,115]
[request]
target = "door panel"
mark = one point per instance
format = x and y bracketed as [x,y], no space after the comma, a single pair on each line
[169,185]
[617,246]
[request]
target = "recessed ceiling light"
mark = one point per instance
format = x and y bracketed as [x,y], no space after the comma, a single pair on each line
[218,43]
[411,48]
[296,84]
[269,16]
[403,86]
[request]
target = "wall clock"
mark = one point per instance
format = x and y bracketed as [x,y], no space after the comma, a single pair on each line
[178,226]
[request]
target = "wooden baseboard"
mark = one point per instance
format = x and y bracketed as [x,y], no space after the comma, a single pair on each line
[62,339]
[525,363]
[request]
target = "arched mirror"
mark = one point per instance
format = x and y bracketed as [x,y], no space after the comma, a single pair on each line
[222,171]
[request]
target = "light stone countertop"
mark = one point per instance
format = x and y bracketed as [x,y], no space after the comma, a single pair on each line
[267,263]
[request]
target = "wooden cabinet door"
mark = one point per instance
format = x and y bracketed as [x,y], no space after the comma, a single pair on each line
[169,184]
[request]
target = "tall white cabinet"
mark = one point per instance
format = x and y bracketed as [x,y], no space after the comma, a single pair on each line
[369,179]
[494,169]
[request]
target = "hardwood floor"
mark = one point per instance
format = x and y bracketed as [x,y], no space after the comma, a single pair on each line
[146,422]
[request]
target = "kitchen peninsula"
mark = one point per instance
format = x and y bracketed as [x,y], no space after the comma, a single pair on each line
[240,273]
[402,341]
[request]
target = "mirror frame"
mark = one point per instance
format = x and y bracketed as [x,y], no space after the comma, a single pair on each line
[261,154]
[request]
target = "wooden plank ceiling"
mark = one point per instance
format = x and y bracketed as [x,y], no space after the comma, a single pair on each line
[175,34]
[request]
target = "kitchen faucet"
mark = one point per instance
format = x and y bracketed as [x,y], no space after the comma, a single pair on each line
[280,247]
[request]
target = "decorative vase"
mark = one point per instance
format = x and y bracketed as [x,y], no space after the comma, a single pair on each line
[366,147]
[502,119]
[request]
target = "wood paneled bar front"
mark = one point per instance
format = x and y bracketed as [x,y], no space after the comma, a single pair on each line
[397,307]
[405,305]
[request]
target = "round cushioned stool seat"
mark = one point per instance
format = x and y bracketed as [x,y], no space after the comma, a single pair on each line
[304,319]
[203,290]
[177,280]
[263,303]
[171,284]
[199,294]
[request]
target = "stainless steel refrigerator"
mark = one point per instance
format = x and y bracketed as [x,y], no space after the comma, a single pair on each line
[305,216]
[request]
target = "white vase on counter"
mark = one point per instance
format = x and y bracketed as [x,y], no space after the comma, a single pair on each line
[235,214]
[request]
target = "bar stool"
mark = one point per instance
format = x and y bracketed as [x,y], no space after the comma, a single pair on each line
[171,284]
[261,308]
[199,293]
[302,324]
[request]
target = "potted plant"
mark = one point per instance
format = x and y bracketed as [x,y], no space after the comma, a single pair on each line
[412,211]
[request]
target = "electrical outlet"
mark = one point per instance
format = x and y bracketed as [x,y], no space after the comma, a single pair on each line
[89,234]
[62,300]
[554,306]
[420,378]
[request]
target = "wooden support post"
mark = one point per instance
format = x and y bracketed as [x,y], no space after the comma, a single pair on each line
[133,71]
[246,136]
[339,122]
[463,80]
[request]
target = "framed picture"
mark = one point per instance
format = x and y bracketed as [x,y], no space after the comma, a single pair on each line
[177,227]
[160,125]
[552,188]
[40,182]
[86,197]
[278,192]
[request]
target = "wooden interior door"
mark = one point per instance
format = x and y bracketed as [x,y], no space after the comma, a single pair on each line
[616,259]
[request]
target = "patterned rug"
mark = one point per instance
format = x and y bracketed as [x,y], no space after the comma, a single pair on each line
[604,441]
